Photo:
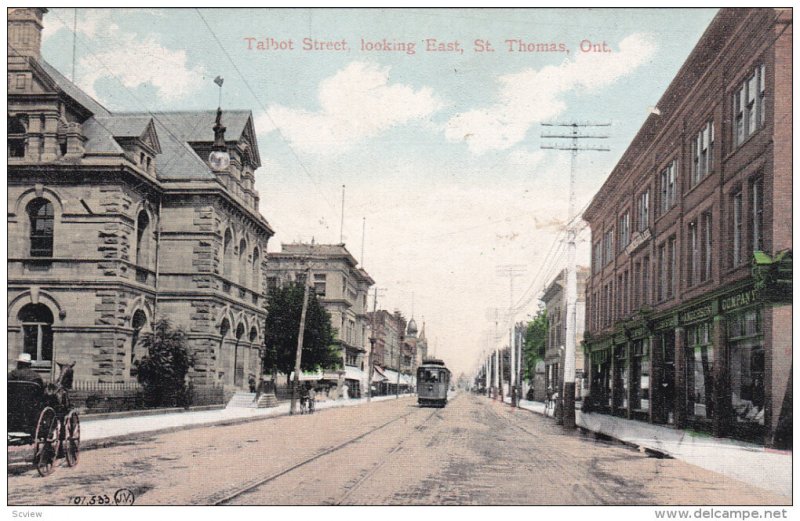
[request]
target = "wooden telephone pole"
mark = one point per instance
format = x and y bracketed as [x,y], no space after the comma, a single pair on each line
[299,355]
[568,395]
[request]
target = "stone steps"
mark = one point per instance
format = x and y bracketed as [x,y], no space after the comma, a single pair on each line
[248,401]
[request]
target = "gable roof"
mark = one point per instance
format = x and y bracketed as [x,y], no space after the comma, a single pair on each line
[72,90]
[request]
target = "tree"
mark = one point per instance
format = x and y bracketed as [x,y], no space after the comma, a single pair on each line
[534,346]
[162,371]
[282,326]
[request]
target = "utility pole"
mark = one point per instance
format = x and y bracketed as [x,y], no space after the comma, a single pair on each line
[511,271]
[568,396]
[341,223]
[299,354]
[372,340]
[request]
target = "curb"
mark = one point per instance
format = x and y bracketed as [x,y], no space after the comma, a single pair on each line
[656,453]
[146,412]
[111,441]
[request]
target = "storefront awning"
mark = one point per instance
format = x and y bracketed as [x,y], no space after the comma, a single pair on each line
[354,373]
[391,376]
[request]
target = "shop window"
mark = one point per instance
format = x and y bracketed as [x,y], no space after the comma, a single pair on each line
[747,366]
[37,333]
[640,375]
[621,378]
[41,216]
[601,378]
[699,367]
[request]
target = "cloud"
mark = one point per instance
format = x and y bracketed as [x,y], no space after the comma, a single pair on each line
[142,62]
[355,104]
[133,60]
[531,96]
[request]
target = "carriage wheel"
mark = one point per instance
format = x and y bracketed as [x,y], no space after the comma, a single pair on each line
[72,438]
[46,442]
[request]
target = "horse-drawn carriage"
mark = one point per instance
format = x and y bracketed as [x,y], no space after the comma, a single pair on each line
[41,416]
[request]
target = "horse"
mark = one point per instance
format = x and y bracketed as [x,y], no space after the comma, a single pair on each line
[56,395]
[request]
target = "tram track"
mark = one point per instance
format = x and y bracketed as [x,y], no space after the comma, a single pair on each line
[229,495]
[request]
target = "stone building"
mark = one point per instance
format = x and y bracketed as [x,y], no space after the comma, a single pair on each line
[117,218]
[555,302]
[341,287]
[689,302]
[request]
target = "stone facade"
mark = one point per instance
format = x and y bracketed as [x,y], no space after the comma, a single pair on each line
[342,288]
[116,219]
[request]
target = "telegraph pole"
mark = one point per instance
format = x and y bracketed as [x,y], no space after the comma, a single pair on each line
[511,271]
[299,354]
[372,340]
[568,396]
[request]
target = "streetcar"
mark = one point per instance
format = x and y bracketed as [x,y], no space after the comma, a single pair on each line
[433,381]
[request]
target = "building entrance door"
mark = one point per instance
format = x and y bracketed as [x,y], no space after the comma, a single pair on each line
[667,390]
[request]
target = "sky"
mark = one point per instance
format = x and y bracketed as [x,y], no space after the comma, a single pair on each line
[439,150]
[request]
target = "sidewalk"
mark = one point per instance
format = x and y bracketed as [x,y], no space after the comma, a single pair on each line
[747,462]
[105,431]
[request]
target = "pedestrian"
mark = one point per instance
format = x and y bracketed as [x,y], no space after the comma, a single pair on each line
[312,397]
[251,382]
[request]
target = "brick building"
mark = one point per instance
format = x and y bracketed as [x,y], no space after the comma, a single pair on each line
[341,288]
[555,302]
[115,219]
[689,302]
[397,348]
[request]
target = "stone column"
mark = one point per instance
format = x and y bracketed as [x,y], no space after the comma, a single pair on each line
[680,378]
[50,137]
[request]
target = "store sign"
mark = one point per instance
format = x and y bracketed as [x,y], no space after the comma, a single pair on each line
[739,300]
[666,322]
[696,314]
[638,332]
[637,240]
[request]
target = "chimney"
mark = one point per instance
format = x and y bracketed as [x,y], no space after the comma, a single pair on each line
[25,31]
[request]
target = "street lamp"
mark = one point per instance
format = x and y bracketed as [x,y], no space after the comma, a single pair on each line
[219,158]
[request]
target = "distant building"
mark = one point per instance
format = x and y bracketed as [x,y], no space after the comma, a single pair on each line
[689,317]
[395,348]
[341,287]
[555,302]
[117,218]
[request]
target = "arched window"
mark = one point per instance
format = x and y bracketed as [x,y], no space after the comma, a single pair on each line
[253,335]
[16,137]
[142,240]
[238,361]
[239,332]
[227,256]
[40,214]
[137,322]
[37,331]
[256,271]
[242,263]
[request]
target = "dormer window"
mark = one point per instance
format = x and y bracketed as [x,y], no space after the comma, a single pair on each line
[16,137]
